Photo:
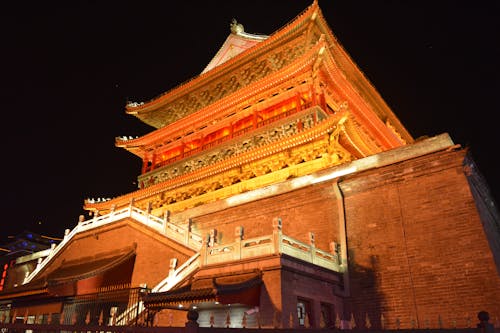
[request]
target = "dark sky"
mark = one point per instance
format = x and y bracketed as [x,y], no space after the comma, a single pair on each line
[68,69]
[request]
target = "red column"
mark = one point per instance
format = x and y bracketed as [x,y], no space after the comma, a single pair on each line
[153,162]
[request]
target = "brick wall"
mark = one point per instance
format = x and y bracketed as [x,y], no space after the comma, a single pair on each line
[417,248]
[315,289]
[306,210]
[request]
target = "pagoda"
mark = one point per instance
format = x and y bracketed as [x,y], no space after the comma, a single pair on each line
[283,105]
[278,189]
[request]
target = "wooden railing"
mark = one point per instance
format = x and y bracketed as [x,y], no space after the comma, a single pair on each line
[236,133]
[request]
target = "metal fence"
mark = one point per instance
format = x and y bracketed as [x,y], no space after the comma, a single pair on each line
[52,328]
[106,307]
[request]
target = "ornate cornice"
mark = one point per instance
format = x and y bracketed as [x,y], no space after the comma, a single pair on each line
[236,161]
[237,100]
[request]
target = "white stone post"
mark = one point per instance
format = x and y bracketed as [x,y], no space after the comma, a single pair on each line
[203,252]
[172,266]
[187,235]
[212,241]
[313,247]
[334,251]
[130,206]
[166,220]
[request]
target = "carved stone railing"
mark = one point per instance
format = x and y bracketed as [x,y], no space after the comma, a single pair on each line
[277,243]
[205,255]
[177,275]
[183,235]
[309,253]
[241,249]
[180,234]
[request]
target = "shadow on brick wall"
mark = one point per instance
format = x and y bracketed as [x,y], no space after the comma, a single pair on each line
[363,308]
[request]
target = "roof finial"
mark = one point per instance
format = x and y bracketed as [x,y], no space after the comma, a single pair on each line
[236,27]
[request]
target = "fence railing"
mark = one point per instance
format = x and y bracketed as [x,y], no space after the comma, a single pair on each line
[53,328]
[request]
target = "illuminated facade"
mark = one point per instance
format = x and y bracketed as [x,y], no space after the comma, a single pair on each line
[278,190]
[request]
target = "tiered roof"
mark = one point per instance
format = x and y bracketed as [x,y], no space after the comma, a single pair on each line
[307,27]
[303,56]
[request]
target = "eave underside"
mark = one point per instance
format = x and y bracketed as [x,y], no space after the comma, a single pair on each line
[238,72]
[270,56]
[244,289]
[314,71]
[288,152]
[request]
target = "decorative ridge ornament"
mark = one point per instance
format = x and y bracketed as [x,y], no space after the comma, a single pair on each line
[236,28]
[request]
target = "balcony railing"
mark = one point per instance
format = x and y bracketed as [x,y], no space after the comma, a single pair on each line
[225,138]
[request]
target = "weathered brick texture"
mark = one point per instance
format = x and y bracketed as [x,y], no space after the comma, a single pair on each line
[417,247]
[311,209]
[418,252]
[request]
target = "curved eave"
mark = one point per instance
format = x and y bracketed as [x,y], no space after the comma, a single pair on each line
[135,146]
[363,111]
[366,113]
[351,137]
[294,27]
[359,80]
[87,268]
[216,292]
[140,146]
[306,136]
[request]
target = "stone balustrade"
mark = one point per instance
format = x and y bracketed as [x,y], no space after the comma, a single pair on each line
[207,254]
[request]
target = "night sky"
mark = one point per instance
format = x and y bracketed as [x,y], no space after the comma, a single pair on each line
[68,70]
